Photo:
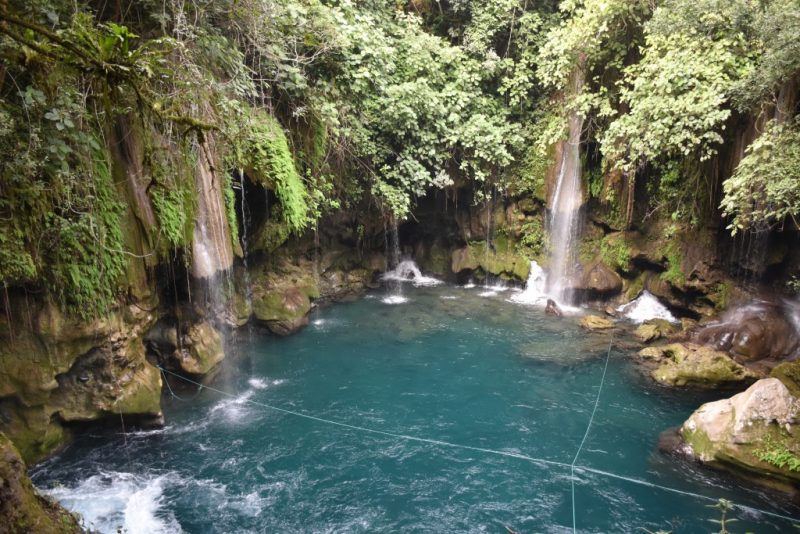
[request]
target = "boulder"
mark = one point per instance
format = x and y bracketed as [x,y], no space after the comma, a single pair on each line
[201,350]
[61,369]
[750,430]
[22,509]
[759,330]
[680,364]
[501,259]
[653,330]
[282,310]
[595,322]
[599,281]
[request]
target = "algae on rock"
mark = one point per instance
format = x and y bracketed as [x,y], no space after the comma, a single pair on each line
[680,364]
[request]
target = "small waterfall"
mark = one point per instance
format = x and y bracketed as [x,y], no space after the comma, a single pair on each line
[395,242]
[646,307]
[212,250]
[407,271]
[248,293]
[211,244]
[535,288]
[488,238]
[564,221]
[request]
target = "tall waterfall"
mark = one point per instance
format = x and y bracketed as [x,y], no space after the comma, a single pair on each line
[564,220]
[211,243]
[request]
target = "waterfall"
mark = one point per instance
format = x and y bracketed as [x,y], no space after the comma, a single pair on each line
[564,220]
[211,243]
[248,294]
[488,238]
[395,242]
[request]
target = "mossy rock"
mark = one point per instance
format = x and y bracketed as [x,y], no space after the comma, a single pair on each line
[501,259]
[202,349]
[22,509]
[694,365]
[595,322]
[653,330]
[789,374]
[752,431]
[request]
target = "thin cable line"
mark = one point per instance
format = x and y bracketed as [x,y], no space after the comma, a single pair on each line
[586,434]
[537,461]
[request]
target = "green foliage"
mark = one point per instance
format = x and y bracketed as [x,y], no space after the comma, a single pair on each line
[264,150]
[615,253]
[777,452]
[85,252]
[677,93]
[533,241]
[173,208]
[674,273]
[766,185]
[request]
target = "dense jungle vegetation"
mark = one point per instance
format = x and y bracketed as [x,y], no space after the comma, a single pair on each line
[338,104]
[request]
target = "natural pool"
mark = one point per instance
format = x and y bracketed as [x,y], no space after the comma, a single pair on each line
[459,365]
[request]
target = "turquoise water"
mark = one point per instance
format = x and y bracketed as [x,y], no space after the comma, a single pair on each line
[464,366]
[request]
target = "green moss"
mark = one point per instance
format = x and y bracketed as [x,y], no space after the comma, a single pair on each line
[87,261]
[721,295]
[776,451]
[700,443]
[674,273]
[615,252]
[532,243]
[789,374]
[22,510]
[503,260]
[265,151]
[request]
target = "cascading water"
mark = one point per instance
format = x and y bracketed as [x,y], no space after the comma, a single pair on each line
[212,251]
[564,220]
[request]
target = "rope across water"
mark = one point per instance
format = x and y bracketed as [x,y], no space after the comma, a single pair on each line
[540,462]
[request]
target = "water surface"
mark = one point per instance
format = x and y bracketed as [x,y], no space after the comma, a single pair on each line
[463,366]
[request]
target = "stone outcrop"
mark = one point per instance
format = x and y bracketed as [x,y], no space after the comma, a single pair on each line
[760,330]
[195,351]
[499,259]
[22,509]
[755,429]
[680,364]
[598,281]
[653,330]
[595,322]
[61,370]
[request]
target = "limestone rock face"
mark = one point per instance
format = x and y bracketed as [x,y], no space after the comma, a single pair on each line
[680,364]
[500,260]
[599,281]
[22,510]
[283,310]
[653,330]
[595,322]
[202,349]
[58,369]
[735,430]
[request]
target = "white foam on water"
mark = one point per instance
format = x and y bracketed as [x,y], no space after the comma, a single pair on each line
[407,271]
[394,299]
[233,409]
[114,501]
[535,292]
[449,297]
[258,383]
[489,293]
[646,307]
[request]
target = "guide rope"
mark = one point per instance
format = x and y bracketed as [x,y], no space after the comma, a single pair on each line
[510,454]
[586,434]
